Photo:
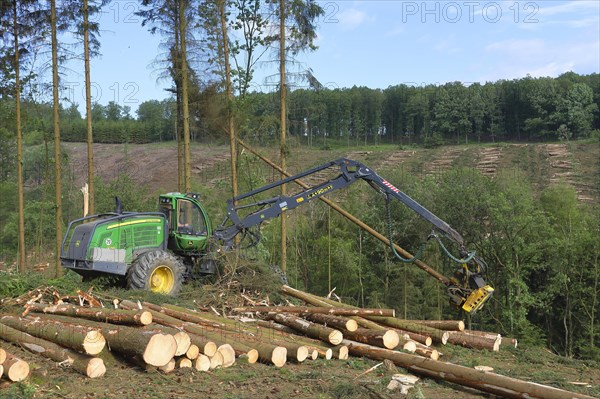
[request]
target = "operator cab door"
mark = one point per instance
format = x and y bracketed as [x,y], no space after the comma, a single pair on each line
[191,232]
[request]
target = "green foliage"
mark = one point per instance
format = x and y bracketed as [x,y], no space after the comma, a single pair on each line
[134,197]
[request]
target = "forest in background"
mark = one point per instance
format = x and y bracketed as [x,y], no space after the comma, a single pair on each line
[542,245]
[527,109]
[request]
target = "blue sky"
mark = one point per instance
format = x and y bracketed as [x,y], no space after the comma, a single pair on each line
[378,44]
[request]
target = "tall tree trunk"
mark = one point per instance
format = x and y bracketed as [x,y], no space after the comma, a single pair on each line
[57,154]
[22,258]
[229,91]
[283,118]
[88,106]
[184,95]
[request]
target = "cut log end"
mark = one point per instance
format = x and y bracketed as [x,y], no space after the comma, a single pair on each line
[95,368]
[167,368]
[429,341]
[391,339]
[335,337]
[192,352]
[252,356]
[410,346]
[184,363]
[301,353]
[146,318]
[183,341]
[160,349]
[209,349]
[351,325]
[228,354]
[94,342]
[313,354]
[445,337]
[279,356]
[343,352]
[16,369]
[2,355]
[216,360]
[202,363]
[461,325]
[1,370]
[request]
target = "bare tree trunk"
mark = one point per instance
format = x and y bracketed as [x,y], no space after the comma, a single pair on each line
[185,96]
[283,120]
[88,107]
[22,258]
[229,90]
[57,153]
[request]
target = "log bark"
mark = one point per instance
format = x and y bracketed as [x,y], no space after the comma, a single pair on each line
[447,325]
[306,310]
[333,321]
[423,339]
[309,328]
[155,348]
[438,336]
[475,341]
[87,340]
[425,351]
[382,338]
[340,351]
[509,341]
[114,316]
[295,351]
[484,381]
[15,369]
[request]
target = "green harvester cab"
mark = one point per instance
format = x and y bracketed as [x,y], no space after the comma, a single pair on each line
[154,251]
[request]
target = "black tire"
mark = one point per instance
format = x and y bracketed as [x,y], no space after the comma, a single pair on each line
[156,271]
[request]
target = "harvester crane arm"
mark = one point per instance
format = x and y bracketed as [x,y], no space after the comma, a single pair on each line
[350,172]
[466,289]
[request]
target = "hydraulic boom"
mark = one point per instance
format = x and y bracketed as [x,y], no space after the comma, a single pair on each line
[467,288]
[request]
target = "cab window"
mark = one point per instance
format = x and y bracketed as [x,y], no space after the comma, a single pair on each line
[189,218]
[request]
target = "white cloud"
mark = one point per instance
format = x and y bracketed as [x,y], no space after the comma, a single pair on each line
[570,7]
[517,58]
[351,18]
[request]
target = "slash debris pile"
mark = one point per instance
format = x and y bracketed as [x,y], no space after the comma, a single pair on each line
[81,333]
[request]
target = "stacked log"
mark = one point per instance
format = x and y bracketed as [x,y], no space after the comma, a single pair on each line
[92,367]
[168,337]
[14,369]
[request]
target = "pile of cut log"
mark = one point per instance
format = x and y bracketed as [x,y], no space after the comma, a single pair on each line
[90,338]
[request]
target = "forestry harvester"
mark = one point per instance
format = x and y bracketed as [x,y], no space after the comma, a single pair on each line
[157,251]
